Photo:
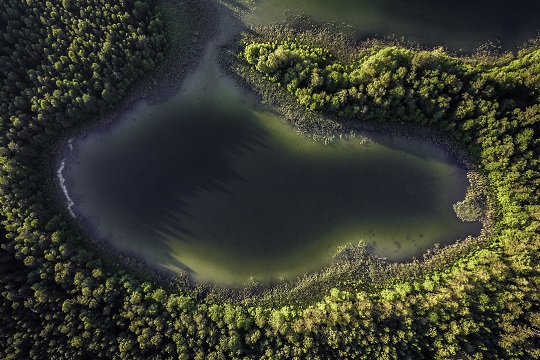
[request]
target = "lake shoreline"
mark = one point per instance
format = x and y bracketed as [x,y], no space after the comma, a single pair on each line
[325,127]
[159,85]
[154,96]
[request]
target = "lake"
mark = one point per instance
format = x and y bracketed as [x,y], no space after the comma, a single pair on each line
[459,24]
[211,183]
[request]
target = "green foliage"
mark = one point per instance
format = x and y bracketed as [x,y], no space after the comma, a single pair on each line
[489,106]
[66,61]
[474,206]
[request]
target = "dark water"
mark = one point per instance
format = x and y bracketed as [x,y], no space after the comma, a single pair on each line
[458,24]
[208,184]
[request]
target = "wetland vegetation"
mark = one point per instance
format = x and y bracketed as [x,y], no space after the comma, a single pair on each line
[63,66]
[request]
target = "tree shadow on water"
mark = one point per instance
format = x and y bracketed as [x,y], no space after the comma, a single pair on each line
[149,177]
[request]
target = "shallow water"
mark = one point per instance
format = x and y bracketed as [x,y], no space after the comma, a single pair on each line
[210,184]
[457,24]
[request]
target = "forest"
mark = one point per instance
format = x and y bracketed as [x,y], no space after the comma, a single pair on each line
[63,63]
